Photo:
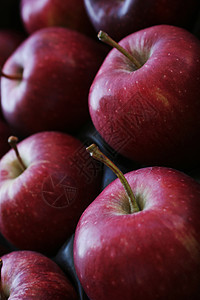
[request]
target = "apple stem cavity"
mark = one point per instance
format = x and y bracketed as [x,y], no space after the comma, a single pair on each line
[96,153]
[104,37]
[12,140]
[12,77]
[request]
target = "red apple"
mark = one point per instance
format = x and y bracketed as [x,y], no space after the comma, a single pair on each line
[145,245]
[31,275]
[54,69]
[10,39]
[150,113]
[125,17]
[44,193]
[37,14]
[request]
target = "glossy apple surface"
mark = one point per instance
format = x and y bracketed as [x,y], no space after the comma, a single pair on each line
[57,66]
[10,39]
[31,275]
[37,14]
[41,205]
[121,18]
[150,254]
[151,114]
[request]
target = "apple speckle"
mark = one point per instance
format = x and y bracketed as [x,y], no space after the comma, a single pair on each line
[139,281]
[84,223]
[113,282]
[108,206]
[161,97]
[124,242]
[113,253]
[54,75]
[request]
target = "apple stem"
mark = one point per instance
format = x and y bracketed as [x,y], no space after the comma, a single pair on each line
[12,77]
[96,153]
[12,140]
[104,37]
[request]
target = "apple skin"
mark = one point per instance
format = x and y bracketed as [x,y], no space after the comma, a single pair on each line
[31,275]
[156,108]
[10,39]
[57,67]
[150,254]
[128,16]
[41,206]
[37,14]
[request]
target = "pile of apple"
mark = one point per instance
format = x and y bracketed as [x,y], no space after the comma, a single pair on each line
[100,149]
